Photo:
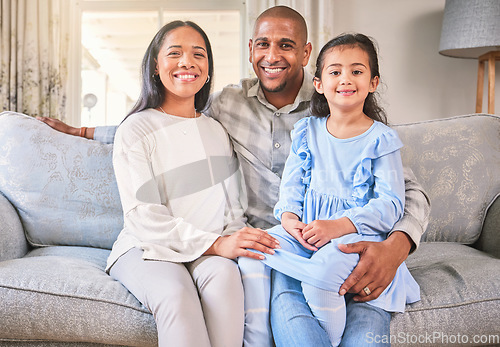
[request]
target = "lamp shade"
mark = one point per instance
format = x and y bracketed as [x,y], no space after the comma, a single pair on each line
[471,28]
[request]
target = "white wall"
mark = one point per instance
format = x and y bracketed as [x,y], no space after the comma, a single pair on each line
[420,83]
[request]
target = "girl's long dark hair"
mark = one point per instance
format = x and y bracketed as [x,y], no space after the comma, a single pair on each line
[319,105]
[153,91]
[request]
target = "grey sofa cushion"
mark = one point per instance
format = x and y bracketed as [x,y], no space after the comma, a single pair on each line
[63,187]
[456,160]
[63,294]
[459,287]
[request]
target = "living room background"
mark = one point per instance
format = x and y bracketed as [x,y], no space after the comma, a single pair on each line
[418,83]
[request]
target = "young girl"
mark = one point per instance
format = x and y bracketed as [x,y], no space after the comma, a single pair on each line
[179,185]
[342,183]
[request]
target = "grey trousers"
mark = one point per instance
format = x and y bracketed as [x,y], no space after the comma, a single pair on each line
[194,304]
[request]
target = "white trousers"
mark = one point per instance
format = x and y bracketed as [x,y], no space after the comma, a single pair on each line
[194,304]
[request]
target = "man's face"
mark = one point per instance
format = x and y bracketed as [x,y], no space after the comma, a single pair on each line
[278,52]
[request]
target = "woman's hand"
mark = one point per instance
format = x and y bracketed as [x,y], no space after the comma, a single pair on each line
[320,232]
[235,245]
[291,223]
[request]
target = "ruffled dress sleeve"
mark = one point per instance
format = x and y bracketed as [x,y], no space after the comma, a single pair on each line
[378,186]
[296,174]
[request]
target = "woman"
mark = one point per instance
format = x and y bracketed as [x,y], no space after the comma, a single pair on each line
[180,188]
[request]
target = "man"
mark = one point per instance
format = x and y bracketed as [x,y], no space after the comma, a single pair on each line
[259,115]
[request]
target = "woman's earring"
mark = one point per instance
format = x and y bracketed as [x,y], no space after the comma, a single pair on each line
[208,79]
[155,77]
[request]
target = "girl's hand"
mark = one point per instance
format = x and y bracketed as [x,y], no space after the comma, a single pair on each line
[235,245]
[320,232]
[291,223]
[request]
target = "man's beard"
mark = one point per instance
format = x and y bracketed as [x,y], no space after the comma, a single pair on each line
[273,90]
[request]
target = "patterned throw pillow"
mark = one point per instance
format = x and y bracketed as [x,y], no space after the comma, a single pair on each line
[62,186]
[457,162]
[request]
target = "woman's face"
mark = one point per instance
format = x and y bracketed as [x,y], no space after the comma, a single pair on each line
[182,63]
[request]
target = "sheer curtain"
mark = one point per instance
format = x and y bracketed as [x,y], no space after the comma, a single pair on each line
[317,13]
[34,48]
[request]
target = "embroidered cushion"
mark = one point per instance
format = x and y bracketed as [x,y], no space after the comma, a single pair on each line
[63,187]
[456,160]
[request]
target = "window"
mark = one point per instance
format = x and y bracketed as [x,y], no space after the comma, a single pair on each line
[115,34]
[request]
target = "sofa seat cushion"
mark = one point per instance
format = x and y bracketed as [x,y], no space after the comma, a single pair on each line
[63,294]
[460,286]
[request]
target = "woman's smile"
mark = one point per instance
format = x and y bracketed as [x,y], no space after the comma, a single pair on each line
[186,77]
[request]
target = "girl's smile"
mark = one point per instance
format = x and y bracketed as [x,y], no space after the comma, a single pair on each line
[346,92]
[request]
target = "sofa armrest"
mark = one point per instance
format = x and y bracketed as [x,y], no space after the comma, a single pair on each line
[13,243]
[489,240]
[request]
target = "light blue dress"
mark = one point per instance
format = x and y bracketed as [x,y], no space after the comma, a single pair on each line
[328,178]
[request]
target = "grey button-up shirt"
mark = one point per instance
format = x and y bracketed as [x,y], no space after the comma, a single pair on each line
[261,138]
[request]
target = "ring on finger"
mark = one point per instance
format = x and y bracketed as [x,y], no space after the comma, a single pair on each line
[367,291]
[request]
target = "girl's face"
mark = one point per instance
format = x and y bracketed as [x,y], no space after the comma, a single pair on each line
[182,63]
[346,79]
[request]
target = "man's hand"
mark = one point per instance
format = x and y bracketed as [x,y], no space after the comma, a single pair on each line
[235,245]
[65,128]
[378,263]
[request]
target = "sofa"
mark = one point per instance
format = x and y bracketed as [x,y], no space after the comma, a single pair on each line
[60,213]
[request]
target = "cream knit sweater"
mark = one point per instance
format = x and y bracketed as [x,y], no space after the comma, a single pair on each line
[179,183]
